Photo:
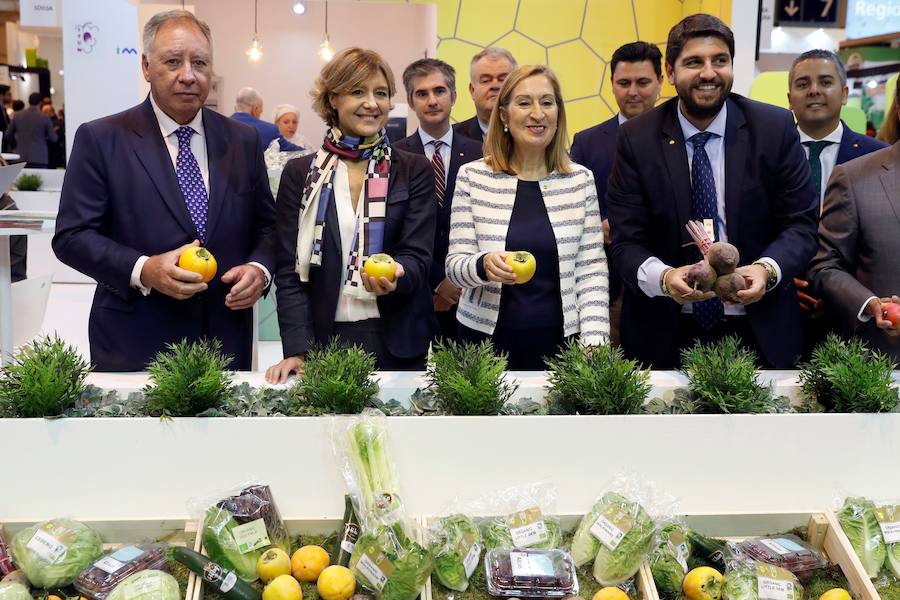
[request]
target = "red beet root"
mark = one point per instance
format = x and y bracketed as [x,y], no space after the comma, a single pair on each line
[723,257]
[727,287]
[701,276]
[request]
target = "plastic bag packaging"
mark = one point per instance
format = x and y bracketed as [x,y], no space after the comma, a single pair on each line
[53,553]
[786,551]
[239,527]
[456,544]
[6,566]
[527,572]
[669,557]
[150,584]
[873,528]
[618,531]
[747,579]
[10,590]
[99,579]
[521,516]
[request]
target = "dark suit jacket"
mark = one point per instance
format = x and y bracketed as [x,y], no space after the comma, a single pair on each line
[32,130]
[854,145]
[18,245]
[859,241]
[306,310]
[770,206]
[463,150]
[470,128]
[267,131]
[595,148]
[120,200]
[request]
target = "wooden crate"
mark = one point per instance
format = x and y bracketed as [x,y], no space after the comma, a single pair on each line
[175,532]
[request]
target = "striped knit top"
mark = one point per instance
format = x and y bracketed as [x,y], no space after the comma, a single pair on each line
[480,214]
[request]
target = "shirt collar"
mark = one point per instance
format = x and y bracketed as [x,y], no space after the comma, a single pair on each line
[622,118]
[168,125]
[484,126]
[834,137]
[447,138]
[717,126]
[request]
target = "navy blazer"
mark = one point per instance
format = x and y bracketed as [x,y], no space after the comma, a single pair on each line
[306,310]
[267,131]
[121,200]
[470,128]
[595,148]
[463,150]
[854,145]
[770,206]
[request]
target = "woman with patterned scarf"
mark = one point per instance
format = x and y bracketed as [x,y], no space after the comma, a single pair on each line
[354,198]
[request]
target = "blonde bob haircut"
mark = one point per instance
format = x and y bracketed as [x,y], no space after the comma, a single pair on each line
[349,69]
[499,144]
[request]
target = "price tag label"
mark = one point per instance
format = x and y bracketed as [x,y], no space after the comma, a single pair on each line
[525,564]
[611,527]
[471,560]
[109,564]
[376,567]
[679,548]
[774,583]
[118,559]
[527,528]
[888,517]
[47,547]
[251,536]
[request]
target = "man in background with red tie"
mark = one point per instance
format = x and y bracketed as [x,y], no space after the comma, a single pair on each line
[144,185]
[431,93]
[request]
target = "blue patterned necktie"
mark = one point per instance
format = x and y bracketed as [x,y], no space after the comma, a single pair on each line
[190,180]
[703,207]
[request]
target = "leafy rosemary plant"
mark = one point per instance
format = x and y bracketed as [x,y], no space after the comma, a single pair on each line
[723,379]
[335,380]
[848,376]
[188,378]
[597,380]
[44,379]
[29,182]
[469,379]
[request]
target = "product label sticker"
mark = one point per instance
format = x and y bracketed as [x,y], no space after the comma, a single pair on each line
[774,583]
[710,227]
[679,549]
[376,567]
[888,516]
[47,547]
[147,585]
[348,546]
[127,553]
[471,560]
[251,536]
[525,564]
[228,582]
[527,527]
[775,546]
[109,564]
[611,526]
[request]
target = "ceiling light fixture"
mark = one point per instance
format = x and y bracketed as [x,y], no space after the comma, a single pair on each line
[326,52]
[298,8]
[255,52]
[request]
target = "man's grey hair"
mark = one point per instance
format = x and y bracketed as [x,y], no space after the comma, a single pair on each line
[159,19]
[494,52]
[821,54]
[248,97]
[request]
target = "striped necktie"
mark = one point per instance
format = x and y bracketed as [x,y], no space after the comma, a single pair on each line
[437,164]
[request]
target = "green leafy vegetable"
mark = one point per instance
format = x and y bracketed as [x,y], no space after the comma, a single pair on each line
[147,585]
[739,583]
[54,552]
[857,519]
[12,590]
[668,561]
[335,380]
[455,537]
[496,534]
[411,563]
[188,378]
[468,378]
[893,559]
[367,453]
[221,546]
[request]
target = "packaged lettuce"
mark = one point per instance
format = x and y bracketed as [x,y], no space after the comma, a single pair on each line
[54,552]
[860,523]
[146,585]
[11,590]
[747,579]
[456,545]
[668,560]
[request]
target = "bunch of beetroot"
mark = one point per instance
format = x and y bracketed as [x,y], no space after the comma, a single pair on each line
[716,273]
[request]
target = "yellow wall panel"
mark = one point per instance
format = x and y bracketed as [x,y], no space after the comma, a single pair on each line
[656,17]
[484,21]
[580,68]
[608,25]
[550,21]
[526,51]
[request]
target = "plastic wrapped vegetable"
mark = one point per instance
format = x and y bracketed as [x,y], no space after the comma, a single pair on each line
[740,583]
[147,585]
[893,559]
[222,547]
[456,546]
[668,560]
[497,534]
[754,580]
[14,591]
[54,552]
[858,520]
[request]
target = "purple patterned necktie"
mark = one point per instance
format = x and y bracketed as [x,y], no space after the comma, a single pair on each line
[190,180]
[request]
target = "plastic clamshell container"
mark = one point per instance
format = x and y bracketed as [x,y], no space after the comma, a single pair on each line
[786,551]
[99,580]
[530,573]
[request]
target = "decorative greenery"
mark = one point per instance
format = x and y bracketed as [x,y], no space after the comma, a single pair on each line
[44,379]
[597,380]
[468,379]
[723,379]
[188,378]
[336,379]
[29,182]
[848,376]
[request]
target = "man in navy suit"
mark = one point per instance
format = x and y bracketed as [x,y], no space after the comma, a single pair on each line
[817,89]
[636,75]
[247,109]
[736,166]
[144,185]
[431,93]
[487,72]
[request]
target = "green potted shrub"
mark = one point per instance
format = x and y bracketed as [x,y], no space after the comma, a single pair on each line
[188,379]
[28,182]
[336,379]
[468,379]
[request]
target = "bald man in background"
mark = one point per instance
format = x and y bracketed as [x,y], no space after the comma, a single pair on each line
[247,108]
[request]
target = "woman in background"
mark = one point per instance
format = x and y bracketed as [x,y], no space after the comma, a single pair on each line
[287,119]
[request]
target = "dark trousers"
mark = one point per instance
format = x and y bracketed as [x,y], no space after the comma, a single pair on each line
[447,324]
[367,334]
[688,332]
[525,348]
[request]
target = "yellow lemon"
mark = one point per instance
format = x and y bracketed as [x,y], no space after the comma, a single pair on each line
[272,563]
[610,593]
[308,562]
[835,594]
[336,583]
[283,587]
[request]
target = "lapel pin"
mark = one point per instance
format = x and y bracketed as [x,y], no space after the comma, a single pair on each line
[671,142]
[856,145]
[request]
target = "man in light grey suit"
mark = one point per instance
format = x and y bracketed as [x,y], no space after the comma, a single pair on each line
[31,130]
[857,267]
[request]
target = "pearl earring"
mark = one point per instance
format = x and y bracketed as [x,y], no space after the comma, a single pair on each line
[505,128]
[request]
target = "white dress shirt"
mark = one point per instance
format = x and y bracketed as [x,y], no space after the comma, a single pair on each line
[484,126]
[349,308]
[828,157]
[447,138]
[650,272]
[167,127]
[621,118]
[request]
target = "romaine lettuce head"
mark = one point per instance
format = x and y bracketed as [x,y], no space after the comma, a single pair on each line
[453,539]
[857,519]
[496,534]
[893,559]
[740,583]
[13,590]
[146,585]
[668,571]
[54,552]
[412,563]
[223,549]
[612,567]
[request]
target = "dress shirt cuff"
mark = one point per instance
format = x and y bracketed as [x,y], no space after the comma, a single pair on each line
[771,262]
[136,276]
[265,271]
[649,275]
[861,315]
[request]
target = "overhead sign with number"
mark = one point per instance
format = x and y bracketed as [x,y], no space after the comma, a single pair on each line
[806,13]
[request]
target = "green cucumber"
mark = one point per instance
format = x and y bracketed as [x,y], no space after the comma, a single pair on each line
[227,582]
[707,550]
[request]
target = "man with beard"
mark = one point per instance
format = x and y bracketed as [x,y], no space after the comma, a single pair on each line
[737,167]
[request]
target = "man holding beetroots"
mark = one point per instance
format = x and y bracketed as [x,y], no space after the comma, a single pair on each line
[144,186]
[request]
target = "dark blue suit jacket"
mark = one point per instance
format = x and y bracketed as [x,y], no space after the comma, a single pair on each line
[595,148]
[463,150]
[306,310]
[267,131]
[121,200]
[854,145]
[770,208]
[470,128]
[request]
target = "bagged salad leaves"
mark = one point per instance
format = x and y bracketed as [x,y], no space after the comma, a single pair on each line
[747,579]
[859,521]
[668,559]
[522,518]
[11,590]
[147,585]
[54,552]
[456,545]
[386,559]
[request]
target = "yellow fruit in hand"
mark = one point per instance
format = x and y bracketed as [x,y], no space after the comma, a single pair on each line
[308,562]
[283,587]
[836,594]
[380,265]
[272,563]
[610,593]
[702,583]
[336,583]
[199,260]
[523,265]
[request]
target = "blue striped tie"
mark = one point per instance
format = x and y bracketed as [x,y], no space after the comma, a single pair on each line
[704,206]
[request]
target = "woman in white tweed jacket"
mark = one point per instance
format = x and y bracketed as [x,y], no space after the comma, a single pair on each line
[527,195]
